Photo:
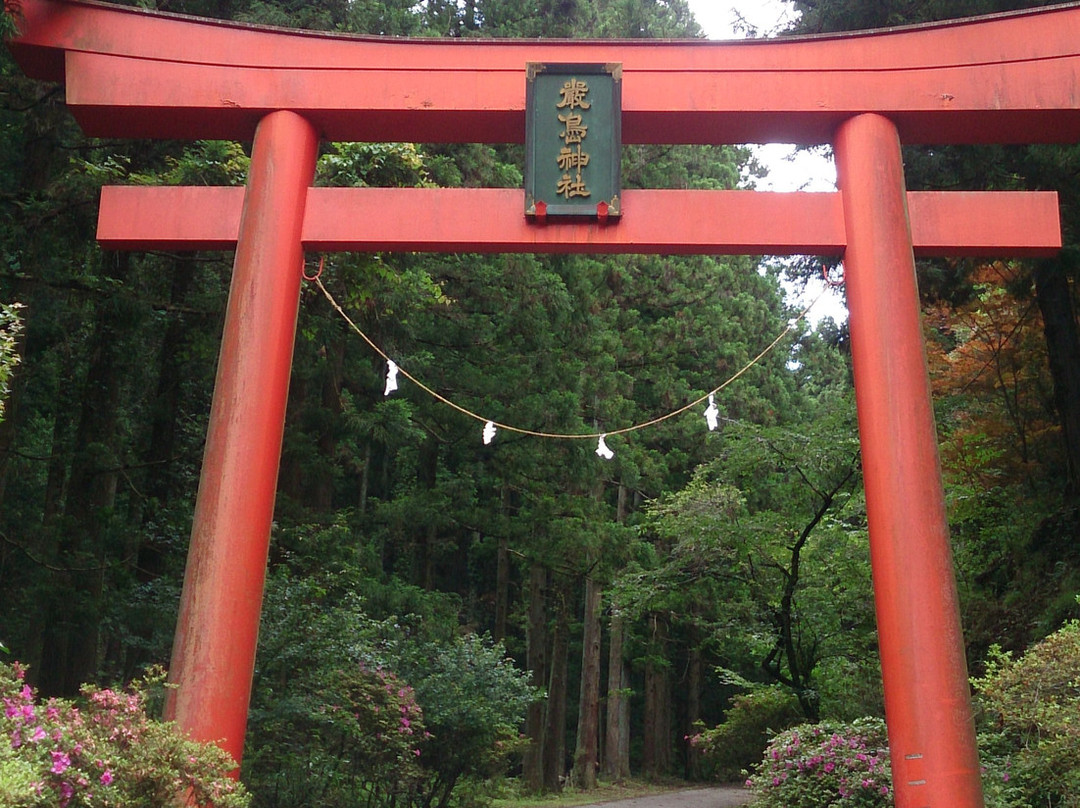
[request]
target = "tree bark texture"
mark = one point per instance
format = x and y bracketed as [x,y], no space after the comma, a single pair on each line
[586,755]
[693,710]
[617,731]
[1054,295]
[555,734]
[502,574]
[71,649]
[656,748]
[536,660]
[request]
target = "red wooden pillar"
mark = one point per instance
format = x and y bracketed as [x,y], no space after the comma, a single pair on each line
[927,702]
[214,650]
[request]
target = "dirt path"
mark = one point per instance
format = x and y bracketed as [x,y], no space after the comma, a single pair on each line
[716,797]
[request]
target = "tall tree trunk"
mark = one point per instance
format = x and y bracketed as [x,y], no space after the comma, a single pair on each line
[617,735]
[555,735]
[321,489]
[656,750]
[290,481]
[693,709]
[14,573]
[365,477]
[536,661]
[617,725]
[44,545]
[586,754]
[73,636]
[1063,348]
[307,477]
[502,587]
[427,473]
[162,483]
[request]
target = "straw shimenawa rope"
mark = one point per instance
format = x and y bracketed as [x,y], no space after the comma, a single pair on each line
[560,435]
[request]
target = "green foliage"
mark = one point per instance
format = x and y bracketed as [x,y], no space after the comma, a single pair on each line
[18,778]
[739,743]
[819,16]
[103,751]
[1031,710]
[1001,787]
[474,702]
[208,162]
[357,739]
[767,529]
[757,561]
[1003,347]
[9,18]
[819,765]
[10,328]
[376,164]
[350,710]
[317,709]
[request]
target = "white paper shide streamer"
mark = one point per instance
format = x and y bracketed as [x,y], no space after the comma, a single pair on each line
[489,432]
[712,413]
[603,450]
[391,377]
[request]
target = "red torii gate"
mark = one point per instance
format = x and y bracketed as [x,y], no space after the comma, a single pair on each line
[1011,78]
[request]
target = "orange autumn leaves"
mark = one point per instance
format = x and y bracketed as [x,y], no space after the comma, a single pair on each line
[992,388]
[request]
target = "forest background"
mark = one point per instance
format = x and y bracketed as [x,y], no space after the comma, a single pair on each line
[613,606]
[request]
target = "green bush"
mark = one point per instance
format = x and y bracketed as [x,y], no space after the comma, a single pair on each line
[353,738]
[10,323]
[1030,713]
[352,711]
[474,702]
[103,752]
[735,746]
[819,765]
[1001,787]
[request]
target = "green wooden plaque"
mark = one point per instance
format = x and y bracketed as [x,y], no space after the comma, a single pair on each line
[573,140]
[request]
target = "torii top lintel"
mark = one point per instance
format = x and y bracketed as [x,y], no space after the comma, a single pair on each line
[1007,78]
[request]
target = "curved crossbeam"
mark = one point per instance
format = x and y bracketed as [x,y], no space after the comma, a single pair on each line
[998,79]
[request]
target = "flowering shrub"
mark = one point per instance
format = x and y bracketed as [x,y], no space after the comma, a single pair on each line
[818,765]
[354,739]
[730,748]
[366,740]
[103,753]
[1031,716]
[1001,788]
[474,703]
[353,712]
[373,712]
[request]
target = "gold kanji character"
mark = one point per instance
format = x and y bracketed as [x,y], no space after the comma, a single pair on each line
[574,131]
[570,187]
[570,158]
[573,95]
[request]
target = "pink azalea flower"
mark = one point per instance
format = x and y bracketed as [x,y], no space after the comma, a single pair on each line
[61,762]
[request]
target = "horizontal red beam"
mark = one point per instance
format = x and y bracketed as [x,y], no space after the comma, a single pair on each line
[129,72]
[492,220]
